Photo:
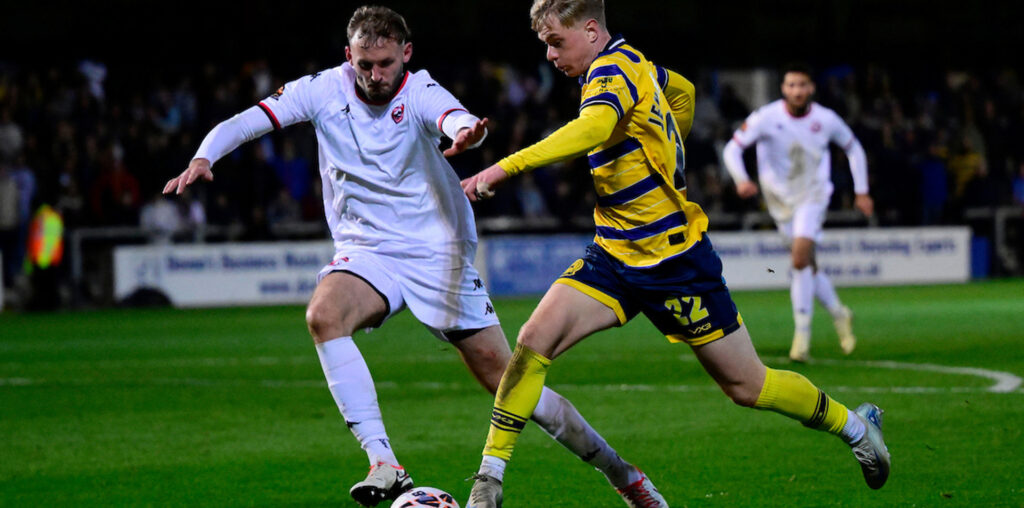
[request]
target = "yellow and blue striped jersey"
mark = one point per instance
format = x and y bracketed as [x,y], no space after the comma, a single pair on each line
[642,214]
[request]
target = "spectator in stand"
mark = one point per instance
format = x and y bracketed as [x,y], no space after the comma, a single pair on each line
[115,194]
[161,219]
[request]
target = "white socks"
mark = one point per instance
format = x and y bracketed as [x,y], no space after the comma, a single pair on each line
[854,429]
[351,385]
[560,420]
[801,293]
[825,293]
[493,467]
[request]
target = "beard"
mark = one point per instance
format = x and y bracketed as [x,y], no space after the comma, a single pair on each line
[379,92]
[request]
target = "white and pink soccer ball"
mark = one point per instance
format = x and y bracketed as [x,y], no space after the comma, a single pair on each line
[427,497]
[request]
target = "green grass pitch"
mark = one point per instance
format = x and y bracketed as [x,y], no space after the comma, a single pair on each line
[228,407]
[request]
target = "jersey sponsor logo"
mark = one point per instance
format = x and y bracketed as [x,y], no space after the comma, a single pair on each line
[477,284]
[488,309]
[604,82]
[315,75]
[277,95]
[816,127]
[398,113]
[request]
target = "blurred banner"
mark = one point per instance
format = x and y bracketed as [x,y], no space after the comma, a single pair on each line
[851,257]
[519,265]
[227,274]
[279,273]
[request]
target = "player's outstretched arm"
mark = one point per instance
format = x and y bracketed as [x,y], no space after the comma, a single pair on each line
[198,168]
[222,140]
[481,185]
[467,137]
[593,127]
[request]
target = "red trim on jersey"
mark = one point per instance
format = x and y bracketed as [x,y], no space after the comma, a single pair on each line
[359,93]
[849,145]
[271,116]
[440,119]
[738,142]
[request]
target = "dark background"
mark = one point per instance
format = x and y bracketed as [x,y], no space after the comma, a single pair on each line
[684,33]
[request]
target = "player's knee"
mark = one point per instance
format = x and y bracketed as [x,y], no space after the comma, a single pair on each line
[531,335]
[323,323]
[742,394]
[801,261]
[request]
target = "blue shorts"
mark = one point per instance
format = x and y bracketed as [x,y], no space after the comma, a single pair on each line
[685,297]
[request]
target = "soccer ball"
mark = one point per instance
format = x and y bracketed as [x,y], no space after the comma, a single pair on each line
[425,496]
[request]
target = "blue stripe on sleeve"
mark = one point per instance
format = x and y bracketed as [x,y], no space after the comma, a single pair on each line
[613,152]
[662,76]
[614,70]
[605,98]
[659,226]
[630,193]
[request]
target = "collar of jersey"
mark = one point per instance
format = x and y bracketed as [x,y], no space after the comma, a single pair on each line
[794,117]
[359,93]
[616,41]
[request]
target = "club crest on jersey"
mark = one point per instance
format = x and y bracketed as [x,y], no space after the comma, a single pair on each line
[398,113]
[816,127]
[575,267]
[277,95]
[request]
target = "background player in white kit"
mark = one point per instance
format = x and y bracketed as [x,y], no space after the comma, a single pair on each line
[794,168]
[403,232]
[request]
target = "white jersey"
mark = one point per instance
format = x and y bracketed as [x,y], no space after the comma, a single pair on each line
[386,185]
[793,161]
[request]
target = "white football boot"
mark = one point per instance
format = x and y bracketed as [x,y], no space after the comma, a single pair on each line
[384,483]
[800,351]
[871,451]
[642,494]
[486,492]
[843,321]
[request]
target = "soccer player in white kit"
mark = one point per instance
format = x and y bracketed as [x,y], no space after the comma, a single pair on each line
[403,232]
[794,168]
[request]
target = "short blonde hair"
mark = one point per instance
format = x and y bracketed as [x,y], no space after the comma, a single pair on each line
[374,23]
[567,12]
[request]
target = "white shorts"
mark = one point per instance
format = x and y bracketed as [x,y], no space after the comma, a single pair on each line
[807,221]
[444,299]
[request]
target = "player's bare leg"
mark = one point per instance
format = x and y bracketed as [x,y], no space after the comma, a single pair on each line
[801,294]
[341,304]
[564,317]
[735,366]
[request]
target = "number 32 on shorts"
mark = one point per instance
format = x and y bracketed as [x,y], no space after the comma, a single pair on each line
[687,309]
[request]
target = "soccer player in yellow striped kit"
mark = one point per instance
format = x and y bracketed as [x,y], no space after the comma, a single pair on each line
[651,253]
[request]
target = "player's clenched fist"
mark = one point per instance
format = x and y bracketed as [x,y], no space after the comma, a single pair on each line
[198,168]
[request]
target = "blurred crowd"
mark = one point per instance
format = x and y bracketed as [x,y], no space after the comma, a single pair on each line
[98,145]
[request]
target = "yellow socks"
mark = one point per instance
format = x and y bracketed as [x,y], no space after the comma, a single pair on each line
[516,399]
[793,395]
